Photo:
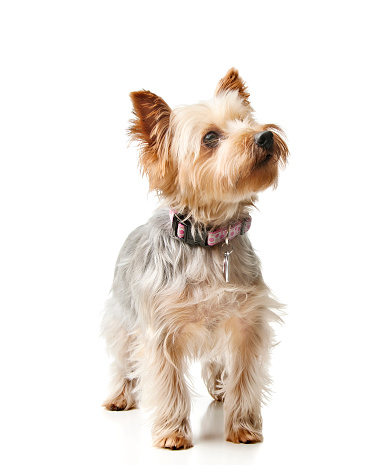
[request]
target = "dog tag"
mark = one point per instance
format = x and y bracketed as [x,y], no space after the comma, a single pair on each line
[226,267]
[228,250]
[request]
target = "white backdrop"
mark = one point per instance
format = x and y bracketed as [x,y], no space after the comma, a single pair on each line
[71,193]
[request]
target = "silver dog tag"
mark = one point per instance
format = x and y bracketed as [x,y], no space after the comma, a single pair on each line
[226,267]
[228,250]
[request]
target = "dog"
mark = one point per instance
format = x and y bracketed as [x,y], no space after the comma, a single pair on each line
[188,284]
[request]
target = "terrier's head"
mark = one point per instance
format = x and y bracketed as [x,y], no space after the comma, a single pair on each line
[207,160]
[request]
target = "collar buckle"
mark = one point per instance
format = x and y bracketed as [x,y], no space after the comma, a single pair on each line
[186,234]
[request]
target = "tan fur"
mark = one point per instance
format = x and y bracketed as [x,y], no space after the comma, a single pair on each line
[170,303]
[150,128]
[232,81]
[212,184]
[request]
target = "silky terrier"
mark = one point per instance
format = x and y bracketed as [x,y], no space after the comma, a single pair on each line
[188,284]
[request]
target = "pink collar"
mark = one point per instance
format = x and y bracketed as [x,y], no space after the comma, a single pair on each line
[182,229]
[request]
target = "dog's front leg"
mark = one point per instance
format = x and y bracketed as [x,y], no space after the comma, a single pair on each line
[166,394]
[247,378]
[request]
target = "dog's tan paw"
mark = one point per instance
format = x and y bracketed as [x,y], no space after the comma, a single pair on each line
[217,397]
[244,436]
[175,441]
[119,403]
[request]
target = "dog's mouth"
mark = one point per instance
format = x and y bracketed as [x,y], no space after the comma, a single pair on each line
[264,161]
[257,166]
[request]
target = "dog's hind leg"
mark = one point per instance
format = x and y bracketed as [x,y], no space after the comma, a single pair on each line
[120,344]
[122,395]
[213,374]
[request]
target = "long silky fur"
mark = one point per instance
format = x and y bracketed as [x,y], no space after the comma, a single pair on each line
[169,305]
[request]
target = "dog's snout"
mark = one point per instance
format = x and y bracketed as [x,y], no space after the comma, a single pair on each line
[264,139]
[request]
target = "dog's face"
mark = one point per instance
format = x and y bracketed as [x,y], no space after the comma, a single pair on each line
[210,156]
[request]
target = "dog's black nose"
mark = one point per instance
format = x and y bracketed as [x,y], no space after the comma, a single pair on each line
[264,139]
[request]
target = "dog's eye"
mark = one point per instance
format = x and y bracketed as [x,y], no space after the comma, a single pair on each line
[211,139]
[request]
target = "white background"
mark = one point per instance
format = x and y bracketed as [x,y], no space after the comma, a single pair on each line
[71,192]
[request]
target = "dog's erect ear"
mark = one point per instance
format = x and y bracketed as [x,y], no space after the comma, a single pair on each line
[150,127]
[232,81]
[152,118]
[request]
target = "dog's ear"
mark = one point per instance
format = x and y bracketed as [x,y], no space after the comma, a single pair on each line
[150,128]
[152,118]
[232,81]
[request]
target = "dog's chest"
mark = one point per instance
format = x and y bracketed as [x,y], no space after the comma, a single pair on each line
[204,297]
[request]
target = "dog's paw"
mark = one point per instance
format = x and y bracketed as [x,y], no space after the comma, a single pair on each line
[175,441]
[119,403]
[217,396]
[242,435]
